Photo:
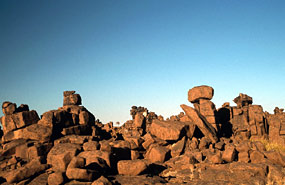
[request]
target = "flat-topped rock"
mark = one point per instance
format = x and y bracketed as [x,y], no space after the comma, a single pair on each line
[200,92]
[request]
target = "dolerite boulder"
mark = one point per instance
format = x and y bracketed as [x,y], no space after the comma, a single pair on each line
[8,108]
[32,168]
[200,92]
[243,100]
[167,130]
[132,167]
[18,120]
[229,145]
[70,98]
[61,154]
[33,132]
[69,119]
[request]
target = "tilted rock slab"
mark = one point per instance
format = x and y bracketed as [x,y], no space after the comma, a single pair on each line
[203,125]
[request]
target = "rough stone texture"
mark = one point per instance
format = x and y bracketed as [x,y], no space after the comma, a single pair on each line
[157,154]
[277,128]
[33,132]
[200,92]
[230,154]
[178,148]
[208,110]
[243,100]
[131,167]
[8,108]
[203,125]
[70,98]
[92,156]
[101,181]
[77,149]
[167,130]
[61,154]
[19,120]
[55,178]
[25,172]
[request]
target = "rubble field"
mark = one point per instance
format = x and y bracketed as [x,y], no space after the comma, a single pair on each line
[234,145]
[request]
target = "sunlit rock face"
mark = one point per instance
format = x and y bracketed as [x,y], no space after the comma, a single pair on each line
[239,144]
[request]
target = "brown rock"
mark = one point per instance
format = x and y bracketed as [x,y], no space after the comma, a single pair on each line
[92,156]
[139,120]
[71,99]
[33,132]
[32,168]
[157,153]
[208,109]
[8,108]
[61,154]
[243,157]
[135,154]
[131,167]
[203,125]
[102,181]
[200,92]
[275,157]
[19,120]
[215,158]
[167,130]
[79,174]
[148,140]
[243,100]
[230,154]
[257,157]
[178,148]
[56,178]
[91,145]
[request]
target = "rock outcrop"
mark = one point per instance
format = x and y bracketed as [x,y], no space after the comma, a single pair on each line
[202,145]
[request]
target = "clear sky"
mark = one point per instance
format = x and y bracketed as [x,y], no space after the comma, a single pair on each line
[119,53]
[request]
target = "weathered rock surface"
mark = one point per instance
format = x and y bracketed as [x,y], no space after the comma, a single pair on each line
[231,145]
[200,92]
[167,130]
[203,125]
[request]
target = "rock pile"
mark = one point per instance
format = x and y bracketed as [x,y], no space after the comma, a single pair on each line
[202,145]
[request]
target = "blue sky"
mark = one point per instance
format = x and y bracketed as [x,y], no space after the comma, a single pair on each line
[119,53]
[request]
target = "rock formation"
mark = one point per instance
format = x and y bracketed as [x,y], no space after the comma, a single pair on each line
[202,145]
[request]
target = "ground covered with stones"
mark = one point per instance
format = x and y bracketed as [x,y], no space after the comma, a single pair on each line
[201,145]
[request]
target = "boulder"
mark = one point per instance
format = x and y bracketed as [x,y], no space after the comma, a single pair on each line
[200,92]
[91,145]
[167,130]
[243,100]
[19,120]
[33,132]
[101,181]
[157,153]
[178,147]
[75,170]
[139,120]
[70,98]
[8,108]
[257,157]
[230,154]
[32,168]
[92,156]
[203,125]
[56,178]
[131,167]
[61,154]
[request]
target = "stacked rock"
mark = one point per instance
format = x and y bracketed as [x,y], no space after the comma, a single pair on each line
[69,119]
[204,113]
